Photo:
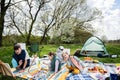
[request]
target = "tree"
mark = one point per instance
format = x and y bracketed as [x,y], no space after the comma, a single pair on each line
[54,17]
[65,34]
[4,6]
[70,33]
[49,15]
[24,19]
[63,11]
[81,35]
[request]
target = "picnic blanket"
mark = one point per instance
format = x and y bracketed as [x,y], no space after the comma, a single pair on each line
[27,74]
[108,68]
[59,75]
[85,74]
[41,74]
[36,71]
[79,77]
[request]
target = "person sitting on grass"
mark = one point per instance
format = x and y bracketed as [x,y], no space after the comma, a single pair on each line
[73,63]
[20,58]
[55,64]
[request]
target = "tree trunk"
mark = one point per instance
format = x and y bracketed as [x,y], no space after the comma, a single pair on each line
[28,39]
[3,10]
[29,34]
[43,37]
[2,15]
[1,28]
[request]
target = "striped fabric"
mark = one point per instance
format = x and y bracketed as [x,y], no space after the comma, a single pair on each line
[85,74]
[59,74]
[79,77]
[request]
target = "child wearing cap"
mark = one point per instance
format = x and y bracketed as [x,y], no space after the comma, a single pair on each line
[19,57]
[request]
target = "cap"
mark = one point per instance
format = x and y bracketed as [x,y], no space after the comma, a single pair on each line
[61,47]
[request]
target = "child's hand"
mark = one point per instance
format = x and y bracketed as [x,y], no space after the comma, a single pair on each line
[20,62]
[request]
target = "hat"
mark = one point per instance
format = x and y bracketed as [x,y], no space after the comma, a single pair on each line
[61,47]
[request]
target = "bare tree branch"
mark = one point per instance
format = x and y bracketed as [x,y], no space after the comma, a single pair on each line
[6,7]
[25,14]
[12,18]
[30,7]
[12,4]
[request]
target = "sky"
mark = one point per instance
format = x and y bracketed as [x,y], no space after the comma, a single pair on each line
[109,24]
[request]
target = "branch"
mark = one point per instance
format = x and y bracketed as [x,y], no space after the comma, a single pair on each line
[12,18]
[26,27]
[22,11]
[43,22]
[6,7]
[12,4]
[29,4]
[42,3]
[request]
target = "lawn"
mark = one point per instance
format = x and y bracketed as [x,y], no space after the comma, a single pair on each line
[6,52]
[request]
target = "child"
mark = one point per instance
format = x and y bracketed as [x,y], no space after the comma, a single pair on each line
[20,57]
[55,64]
[73,63]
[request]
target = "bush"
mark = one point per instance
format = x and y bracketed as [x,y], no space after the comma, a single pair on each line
[10,40]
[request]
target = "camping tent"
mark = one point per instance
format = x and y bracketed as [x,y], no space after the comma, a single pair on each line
[94,47]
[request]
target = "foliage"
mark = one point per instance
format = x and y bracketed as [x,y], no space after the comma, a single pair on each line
[12,39]
[77,36]
[70,32]
[80,36]
[55,40]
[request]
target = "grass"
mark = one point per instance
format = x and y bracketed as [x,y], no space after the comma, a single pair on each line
[53,48]
[7,52]
[10,78]
[113,48]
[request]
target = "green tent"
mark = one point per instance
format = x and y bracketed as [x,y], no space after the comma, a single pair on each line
[94,47]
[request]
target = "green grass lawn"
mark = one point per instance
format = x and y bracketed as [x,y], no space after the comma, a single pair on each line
[6,52]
